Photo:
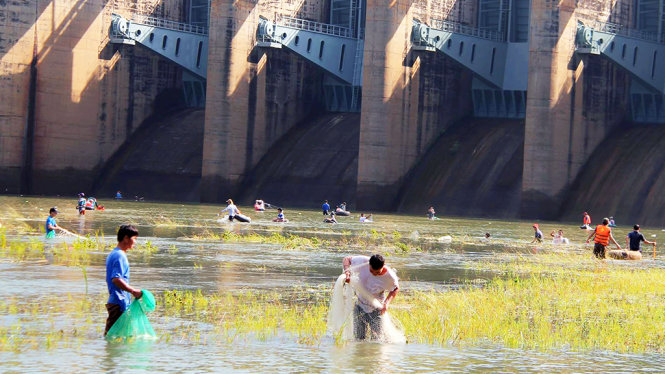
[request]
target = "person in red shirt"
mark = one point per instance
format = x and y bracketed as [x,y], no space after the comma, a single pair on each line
[587,222]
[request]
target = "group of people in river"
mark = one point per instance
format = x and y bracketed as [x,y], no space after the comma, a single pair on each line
[84,204]
[602,236]
[378,279]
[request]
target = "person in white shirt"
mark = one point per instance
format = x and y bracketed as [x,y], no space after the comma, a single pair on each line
[375,279]
[231,209]
[364,218]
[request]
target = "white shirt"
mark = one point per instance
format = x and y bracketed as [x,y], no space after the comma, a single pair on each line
[231,208]
[363,219]
[374,284]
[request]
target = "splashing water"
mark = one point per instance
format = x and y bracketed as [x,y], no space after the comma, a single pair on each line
[340,313]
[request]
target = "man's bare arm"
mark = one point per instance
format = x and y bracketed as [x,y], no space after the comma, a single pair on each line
[389,298]
[121,284]
[614,241]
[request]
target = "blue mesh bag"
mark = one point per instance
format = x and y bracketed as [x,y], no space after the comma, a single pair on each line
[133,323]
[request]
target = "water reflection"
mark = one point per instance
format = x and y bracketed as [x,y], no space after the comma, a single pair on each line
[134,354]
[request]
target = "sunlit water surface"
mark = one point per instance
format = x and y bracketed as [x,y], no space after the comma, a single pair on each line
[215,266]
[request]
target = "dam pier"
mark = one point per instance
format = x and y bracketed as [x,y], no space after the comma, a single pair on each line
[506,108]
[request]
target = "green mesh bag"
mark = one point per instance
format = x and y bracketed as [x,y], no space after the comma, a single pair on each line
[133,323]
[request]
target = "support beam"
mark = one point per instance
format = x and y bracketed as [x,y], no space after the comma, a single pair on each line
[638,52]
[485,53]
[327,46]
[184,44]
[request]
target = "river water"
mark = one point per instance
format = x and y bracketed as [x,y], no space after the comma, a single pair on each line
[215,266]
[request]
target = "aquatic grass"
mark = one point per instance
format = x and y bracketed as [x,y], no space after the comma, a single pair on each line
[146,248]
[285,241]
[263,315]
[601,308]
[22,250]
[372,240]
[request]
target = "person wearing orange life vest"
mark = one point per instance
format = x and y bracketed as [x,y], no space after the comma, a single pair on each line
[603,235]
[587,222]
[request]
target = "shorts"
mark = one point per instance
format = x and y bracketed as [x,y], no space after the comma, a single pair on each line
[115,311]
[599,250]
[50,234]
[325,212]
[231,218]
[362,319]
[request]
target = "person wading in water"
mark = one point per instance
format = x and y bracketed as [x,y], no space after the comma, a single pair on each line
[376,279]
[603,235]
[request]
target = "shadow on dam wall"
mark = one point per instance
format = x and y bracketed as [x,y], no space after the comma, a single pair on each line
[316,160]
[160,161]
[473,169]
[624,178]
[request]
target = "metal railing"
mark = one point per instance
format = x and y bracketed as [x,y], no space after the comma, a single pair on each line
[171,25]
[466,30]
[616,28]
[324,28]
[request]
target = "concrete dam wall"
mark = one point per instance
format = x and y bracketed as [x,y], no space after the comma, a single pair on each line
[316,160]
[473,169]
[68,98]
[624,178]
[557,77]
[162,160]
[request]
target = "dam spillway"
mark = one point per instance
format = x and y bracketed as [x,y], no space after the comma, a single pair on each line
[79,84]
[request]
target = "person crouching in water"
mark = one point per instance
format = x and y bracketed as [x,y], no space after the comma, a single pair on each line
[538,235]
[603,235]
[280,216]
[231,209]
[375,278]
[330,219]
[558,238]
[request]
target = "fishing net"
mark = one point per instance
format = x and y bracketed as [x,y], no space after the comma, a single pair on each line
[340,313]
[133,323]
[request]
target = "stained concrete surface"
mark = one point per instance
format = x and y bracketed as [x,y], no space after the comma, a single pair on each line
[624,178]
[161,161]
[472,169]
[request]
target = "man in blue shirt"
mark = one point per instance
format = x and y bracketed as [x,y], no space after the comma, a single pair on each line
[51,226]
[117,276]
[325,207]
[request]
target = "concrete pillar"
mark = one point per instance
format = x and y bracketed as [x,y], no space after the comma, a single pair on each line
[387,144]
[68,99]
[549,112]
[254,95]
[565,121]
[227,97]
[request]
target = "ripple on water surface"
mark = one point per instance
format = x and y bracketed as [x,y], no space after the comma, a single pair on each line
[182,263]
